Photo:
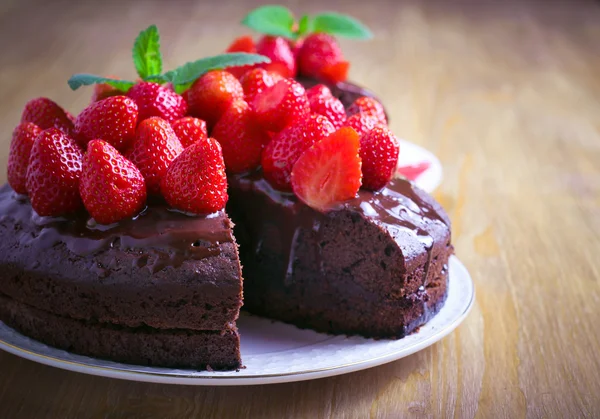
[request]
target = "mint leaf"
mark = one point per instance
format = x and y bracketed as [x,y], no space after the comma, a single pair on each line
[146,53]
[340,25]
[271,20]
[189,72]
[305,26]
[78,80]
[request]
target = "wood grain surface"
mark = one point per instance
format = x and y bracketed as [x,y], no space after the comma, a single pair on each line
[507,94]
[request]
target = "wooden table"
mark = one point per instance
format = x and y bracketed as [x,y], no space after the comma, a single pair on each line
[507,94]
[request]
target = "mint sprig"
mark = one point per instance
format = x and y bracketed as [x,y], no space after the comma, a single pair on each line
[146,53]
[271,20]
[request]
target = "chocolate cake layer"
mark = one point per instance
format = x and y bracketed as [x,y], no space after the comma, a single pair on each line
[141,346]
[163,269]
[375,266]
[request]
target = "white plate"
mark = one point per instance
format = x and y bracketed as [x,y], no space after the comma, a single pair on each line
[272,352]
[411,153]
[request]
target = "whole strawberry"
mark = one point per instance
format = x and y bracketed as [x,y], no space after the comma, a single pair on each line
[240,137]
[46,113]
[379,150]
[189,130]
[241,44]
[257,80]
[156,145]
[368,106]
[23,138]
[278,50]
[361,122]
[153,99]
[322,102]
[111,187]
[53,173]
[113,120]
[196,181]
[281,105]
[211,95]
[322,57]
[281,153]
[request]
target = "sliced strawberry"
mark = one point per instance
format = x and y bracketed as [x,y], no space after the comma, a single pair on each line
[278,50]
[257,80]
[196,181]
[153,99]
[361,122]
[23,137]
[46,113]
[240,137]
[281,105]
[113,119]
[156,145]
[211,95]
[413,171]
[334,73]
[320,51]
[189,130]
[53,173]
[241,44]
[322,102]
[329,172]
[111,187]
[368,106]
[379,150]
[281,153]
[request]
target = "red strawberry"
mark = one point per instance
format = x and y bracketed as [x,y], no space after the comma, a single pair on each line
[189,130]
[320,51]
[361,122]
[46,113]
[379,150]
[23,138]
[153,99]
[156,146]
[113,120]
[413,171]
[111,187]
[329,172]
[335,73]
[281,105]
[53,173]
[211,95]
[241,139]
[256,80]
[281,153]
[241,44]
[196,181]
[296,47]
[278,50]
[323,103]
[369,106]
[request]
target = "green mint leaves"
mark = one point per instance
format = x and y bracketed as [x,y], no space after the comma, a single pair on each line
[147,60]
[146,53]
[279,21]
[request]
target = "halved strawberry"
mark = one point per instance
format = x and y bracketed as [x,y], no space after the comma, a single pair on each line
[189,130]
[156,145]
[368,106]
[154,99]
[257,80]
[278,50]
[196,181]
[241,44]
[362,123]
[23,137]
[111,187]
[329,172]
[46,113]
[281,105]
[53,173]
[281,153]
[379,150]
[240,137]
[324,103]
[413,171]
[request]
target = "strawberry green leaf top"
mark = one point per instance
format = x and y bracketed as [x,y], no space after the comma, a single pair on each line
[78,80]
[146,53]
[271,20]
[340,25]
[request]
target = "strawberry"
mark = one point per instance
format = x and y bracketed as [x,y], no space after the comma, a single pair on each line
[113,120]
[53,173]
[284,149]
[278,50]
[321,51]
[111,187]
[329,172]
[23,138]
[156,145]
[413,171]
[241,44]
[196,181]
[241,139]
[211,95]
[322,102]
[189,130]
[256,80]
[153,99]
[335,73]
[379,150]
[281,105]
[46,113]
[368,106]
[361,122]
